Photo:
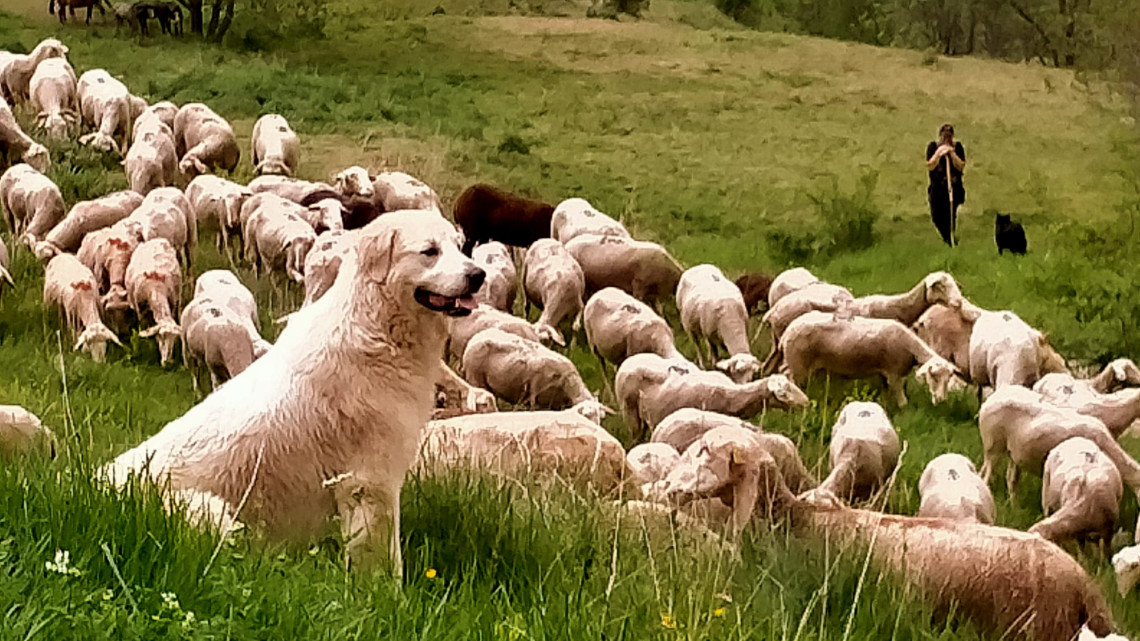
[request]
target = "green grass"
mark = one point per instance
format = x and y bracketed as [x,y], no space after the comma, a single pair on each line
[697,134]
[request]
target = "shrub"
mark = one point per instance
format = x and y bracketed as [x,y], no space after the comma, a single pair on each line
[843,222]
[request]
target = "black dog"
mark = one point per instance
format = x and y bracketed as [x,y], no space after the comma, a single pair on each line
[1008,234]
[168,14]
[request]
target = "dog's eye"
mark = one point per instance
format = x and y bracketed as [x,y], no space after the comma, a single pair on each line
[431,252]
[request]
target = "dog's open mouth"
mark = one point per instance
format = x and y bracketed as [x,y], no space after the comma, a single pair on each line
[458,306]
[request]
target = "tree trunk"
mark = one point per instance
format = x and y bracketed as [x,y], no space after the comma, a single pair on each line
[194,8]
[227,20]
[215,15]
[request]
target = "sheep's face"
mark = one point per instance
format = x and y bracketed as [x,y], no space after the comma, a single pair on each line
[166,333]
[38,157]
[937,374]
[1124,371]
[100,141]
[942,288]
[330,213]
[786,392]
[354,181]
[741,368]
[652,462]
[273,167]
[93,340]
[1126,564]
[702,471]
[593,410]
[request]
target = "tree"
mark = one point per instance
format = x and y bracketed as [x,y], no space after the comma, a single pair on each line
[221,17]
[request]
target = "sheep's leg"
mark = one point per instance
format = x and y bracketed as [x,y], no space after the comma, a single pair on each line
[896,388]
[1012,471]
[772,362]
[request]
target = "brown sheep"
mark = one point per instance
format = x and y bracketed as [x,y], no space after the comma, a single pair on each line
[486,213]
[754,286]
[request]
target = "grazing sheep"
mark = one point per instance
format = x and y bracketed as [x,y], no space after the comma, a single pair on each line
[712,307]
[650,463]
[5,275]
[217,202]
[292,189]
[862,348]
[486,213]
[1118,411]
[717,392]
[151,163]
[864,451]
[21,431]
[70,287]
[947,331]
[1080,493]
[554,282]
[16,75]
[637,375]
[619,326]
[53,93]
[1118,374]
[641,268]
[32,203]
[154,284]
[575,217]
[15,143]
[951,488]
[204,141]
[523,371]
[788,281]
[354,181]
[273,233]
[464,328]
[166,213]
[352,212]
[1126,566]
[754,287]
[216,337]
[85,217]
[395,191]
[105,104]
[274,146]
[164,110]
[501,286]
[223,288]
[107,252]
[1004,350]
[322,263]
[323,215]
[525,445]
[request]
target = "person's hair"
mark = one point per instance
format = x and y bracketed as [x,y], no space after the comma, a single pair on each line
[946,128]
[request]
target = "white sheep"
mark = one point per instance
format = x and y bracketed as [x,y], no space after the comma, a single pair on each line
[276,235]
[575,217]
[322,263]
[951,488]
[151,162]
[1005,350]
[713,315]
[864,451]
[223,288]
[215,337]
[501,284]
[85,217]
[217,203]
[643,269]
[395,190]
[650,463]
[1126,566]
[1118,374]
[463,328]
[154,285]
[13,141]
[107,252]
[1080,493]
[717,392]
[554,282]
[105,104]
[354,181]
[164,110]
[291,189]
[16,75]
[70,287]
[32,203]
[523,371]
[274,146]
[166,213]
[619,326]
[788,281]
[54,99]
[204,141]
[637,375]
[22,431]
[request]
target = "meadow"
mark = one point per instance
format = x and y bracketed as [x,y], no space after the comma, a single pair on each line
[749,150]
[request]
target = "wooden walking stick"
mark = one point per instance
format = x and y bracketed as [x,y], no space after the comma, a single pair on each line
[953,214]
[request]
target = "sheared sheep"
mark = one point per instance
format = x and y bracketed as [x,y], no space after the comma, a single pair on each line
[951,488]
[322,263]
[274,147]
[273,233]
[395,191]
[754,287]
[85,217]
[717,392]
[501,286]
[486,213]
[292,189]
[947,332]
[151,162]
[619,326]
[554,282]
[53,93]
[645,270]
[164,111]
[223,288]
[788,281]
[354,181]
[523,371]
[1118,411]
[154,285]
[864,347]
[1080,493]
[70,287]
[575,217]
[16,75]
[21,431]
[32,203]
[216,337]
[713,314]
[464,328]
[204,141]
[637,375]
[864,451]
[323,215]
[107,252]
[1005,350]
[14,142]
[217,202]
[166,213]
[650,463]
[105,104]
[1118,374]
[1126,566]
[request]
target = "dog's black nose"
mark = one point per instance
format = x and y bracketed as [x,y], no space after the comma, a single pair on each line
[475,278]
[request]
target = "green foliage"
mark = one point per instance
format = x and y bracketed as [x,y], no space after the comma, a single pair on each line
[843,222]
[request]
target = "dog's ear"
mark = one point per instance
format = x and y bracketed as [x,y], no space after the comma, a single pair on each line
[375,253]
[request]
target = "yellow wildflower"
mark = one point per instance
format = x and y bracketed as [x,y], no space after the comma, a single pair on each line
[668,622]
[719,612]
[430,573]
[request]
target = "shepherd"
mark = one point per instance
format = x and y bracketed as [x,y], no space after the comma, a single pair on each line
[946,160]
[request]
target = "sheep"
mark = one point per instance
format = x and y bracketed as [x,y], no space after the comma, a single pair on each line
[1005,350]
[1080,493]
[5,275]
[204,141]
[864,347]
[554,282]
[53,94]
[274,146]
[13,140]
[16,75]
[712,306]
[525,445]
[151,163]
[105,104]
[217,202]
[70,287]
[292,189]
[154,284]
[164,110]
[464,328]
[324,215]
[107,252]
[717,392]
[523,371]
[395,191]
[1116,375]
[501,285]
[575,217]
[322,263]
[619,326]
[1117,411]
[354,181]
[32,203]
[223,288]
[650,463]
[788,281]
[951,488]
[637,375]
[1126,567]
[166,213]
[85,217]
[21,431]
[486,213]
[754,287]
[641,268]
[273,234]
[215,336]
[864,451]
[947,331]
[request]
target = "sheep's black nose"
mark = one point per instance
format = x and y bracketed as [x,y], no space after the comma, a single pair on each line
[475,278]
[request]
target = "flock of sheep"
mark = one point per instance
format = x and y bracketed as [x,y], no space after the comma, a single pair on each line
[120,260]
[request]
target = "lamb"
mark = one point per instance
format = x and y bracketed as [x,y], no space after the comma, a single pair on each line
[641,268]
[279,237]
[486,213]
[575,217]
[523,371]
[85,217]
[861,348]
[1080,493]
[951,488]
[274,146]
[554,282]
[204,141]
[105,104]
[21,431]
[154,284]
[322,263]
[16,75]
[395,191]
[501,286]
[166,213]
[619,326]
[717,392]
[107,252]
[32,203]
[788,281]
[222,287]
[1004,350]
[53,93]
[864,452]
[754,287]
[13,141]
[712,306]
[217,202]
[215,336]
[354,181]
[70,287]
[464,328]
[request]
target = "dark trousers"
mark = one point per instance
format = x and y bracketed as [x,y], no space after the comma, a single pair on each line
[941,212]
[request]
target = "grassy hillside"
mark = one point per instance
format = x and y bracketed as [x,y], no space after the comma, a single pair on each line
[724,144]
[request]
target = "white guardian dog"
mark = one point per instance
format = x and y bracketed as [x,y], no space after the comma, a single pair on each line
[328,421]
